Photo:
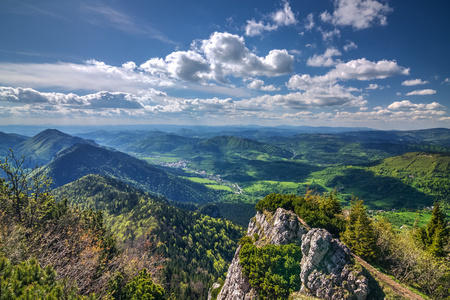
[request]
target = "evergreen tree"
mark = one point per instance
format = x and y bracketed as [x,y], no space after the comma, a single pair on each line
[359,235]
[436,232]
[142,287]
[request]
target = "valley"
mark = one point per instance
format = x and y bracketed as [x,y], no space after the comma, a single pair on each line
[186,197]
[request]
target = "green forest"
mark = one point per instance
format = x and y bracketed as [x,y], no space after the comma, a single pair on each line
[82,220]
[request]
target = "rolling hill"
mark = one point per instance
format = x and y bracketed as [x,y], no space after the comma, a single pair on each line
[83,159]
[42,147]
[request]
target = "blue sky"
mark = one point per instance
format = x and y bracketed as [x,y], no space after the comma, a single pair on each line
[373,63]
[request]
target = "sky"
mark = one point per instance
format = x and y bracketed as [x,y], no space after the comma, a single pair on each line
[382,64]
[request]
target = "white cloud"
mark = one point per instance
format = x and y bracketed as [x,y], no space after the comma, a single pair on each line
[447,80]
[324,60]
[282,17]
[373,86]
[100,100]
[285,16]
[188,65]
[254,28]
[422,92]
[363,69]
[350,46]
[228,55]
[222,55]
[329,35]
[258,84]
[309,22]
[413,82]
[316,97]
[406,104]
[360,69]
[92,75]
[359,14]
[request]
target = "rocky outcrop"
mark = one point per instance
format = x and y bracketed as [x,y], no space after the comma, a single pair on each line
[327,269]
[236,285]
[281,227]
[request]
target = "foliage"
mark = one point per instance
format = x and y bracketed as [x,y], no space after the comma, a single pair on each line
[142,287]
[273,270]
[28,281]
[197,248]
[435,235]
[323,211]
[399,254]
[358,234]
[75,243]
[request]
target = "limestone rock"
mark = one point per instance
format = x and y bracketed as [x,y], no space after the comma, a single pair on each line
[327,270]
[282,227]
[236,286]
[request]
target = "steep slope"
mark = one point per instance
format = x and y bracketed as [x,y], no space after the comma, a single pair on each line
[42,147]
[197,248]
[10,141]
[84,159]
[427,172]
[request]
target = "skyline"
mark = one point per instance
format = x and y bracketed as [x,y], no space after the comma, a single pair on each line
[356,63]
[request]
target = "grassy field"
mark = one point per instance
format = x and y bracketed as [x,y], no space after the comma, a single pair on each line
[398,219]
[201,180]
[220,187]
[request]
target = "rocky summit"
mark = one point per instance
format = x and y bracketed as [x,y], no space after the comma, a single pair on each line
[327,268]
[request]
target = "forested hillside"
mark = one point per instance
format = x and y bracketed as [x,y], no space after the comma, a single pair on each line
[197,248]
[41,148]
[84,159]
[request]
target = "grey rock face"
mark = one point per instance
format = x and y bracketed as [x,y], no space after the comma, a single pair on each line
[282,227]
[236,286]
[327,270]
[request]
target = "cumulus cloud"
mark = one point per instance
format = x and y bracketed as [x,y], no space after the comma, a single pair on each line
[98,100]
[281,17]
[407,105]
[285,16]
[363,69]
[373,86]
[350,46]
[413,82]
[222,55]
[324,60]
[317,97]
[359,14]
[214,59]
[360,69]
[258,84]
[421,92]
[447,80]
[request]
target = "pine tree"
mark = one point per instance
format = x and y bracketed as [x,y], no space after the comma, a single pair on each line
[436,232]
[359,236]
